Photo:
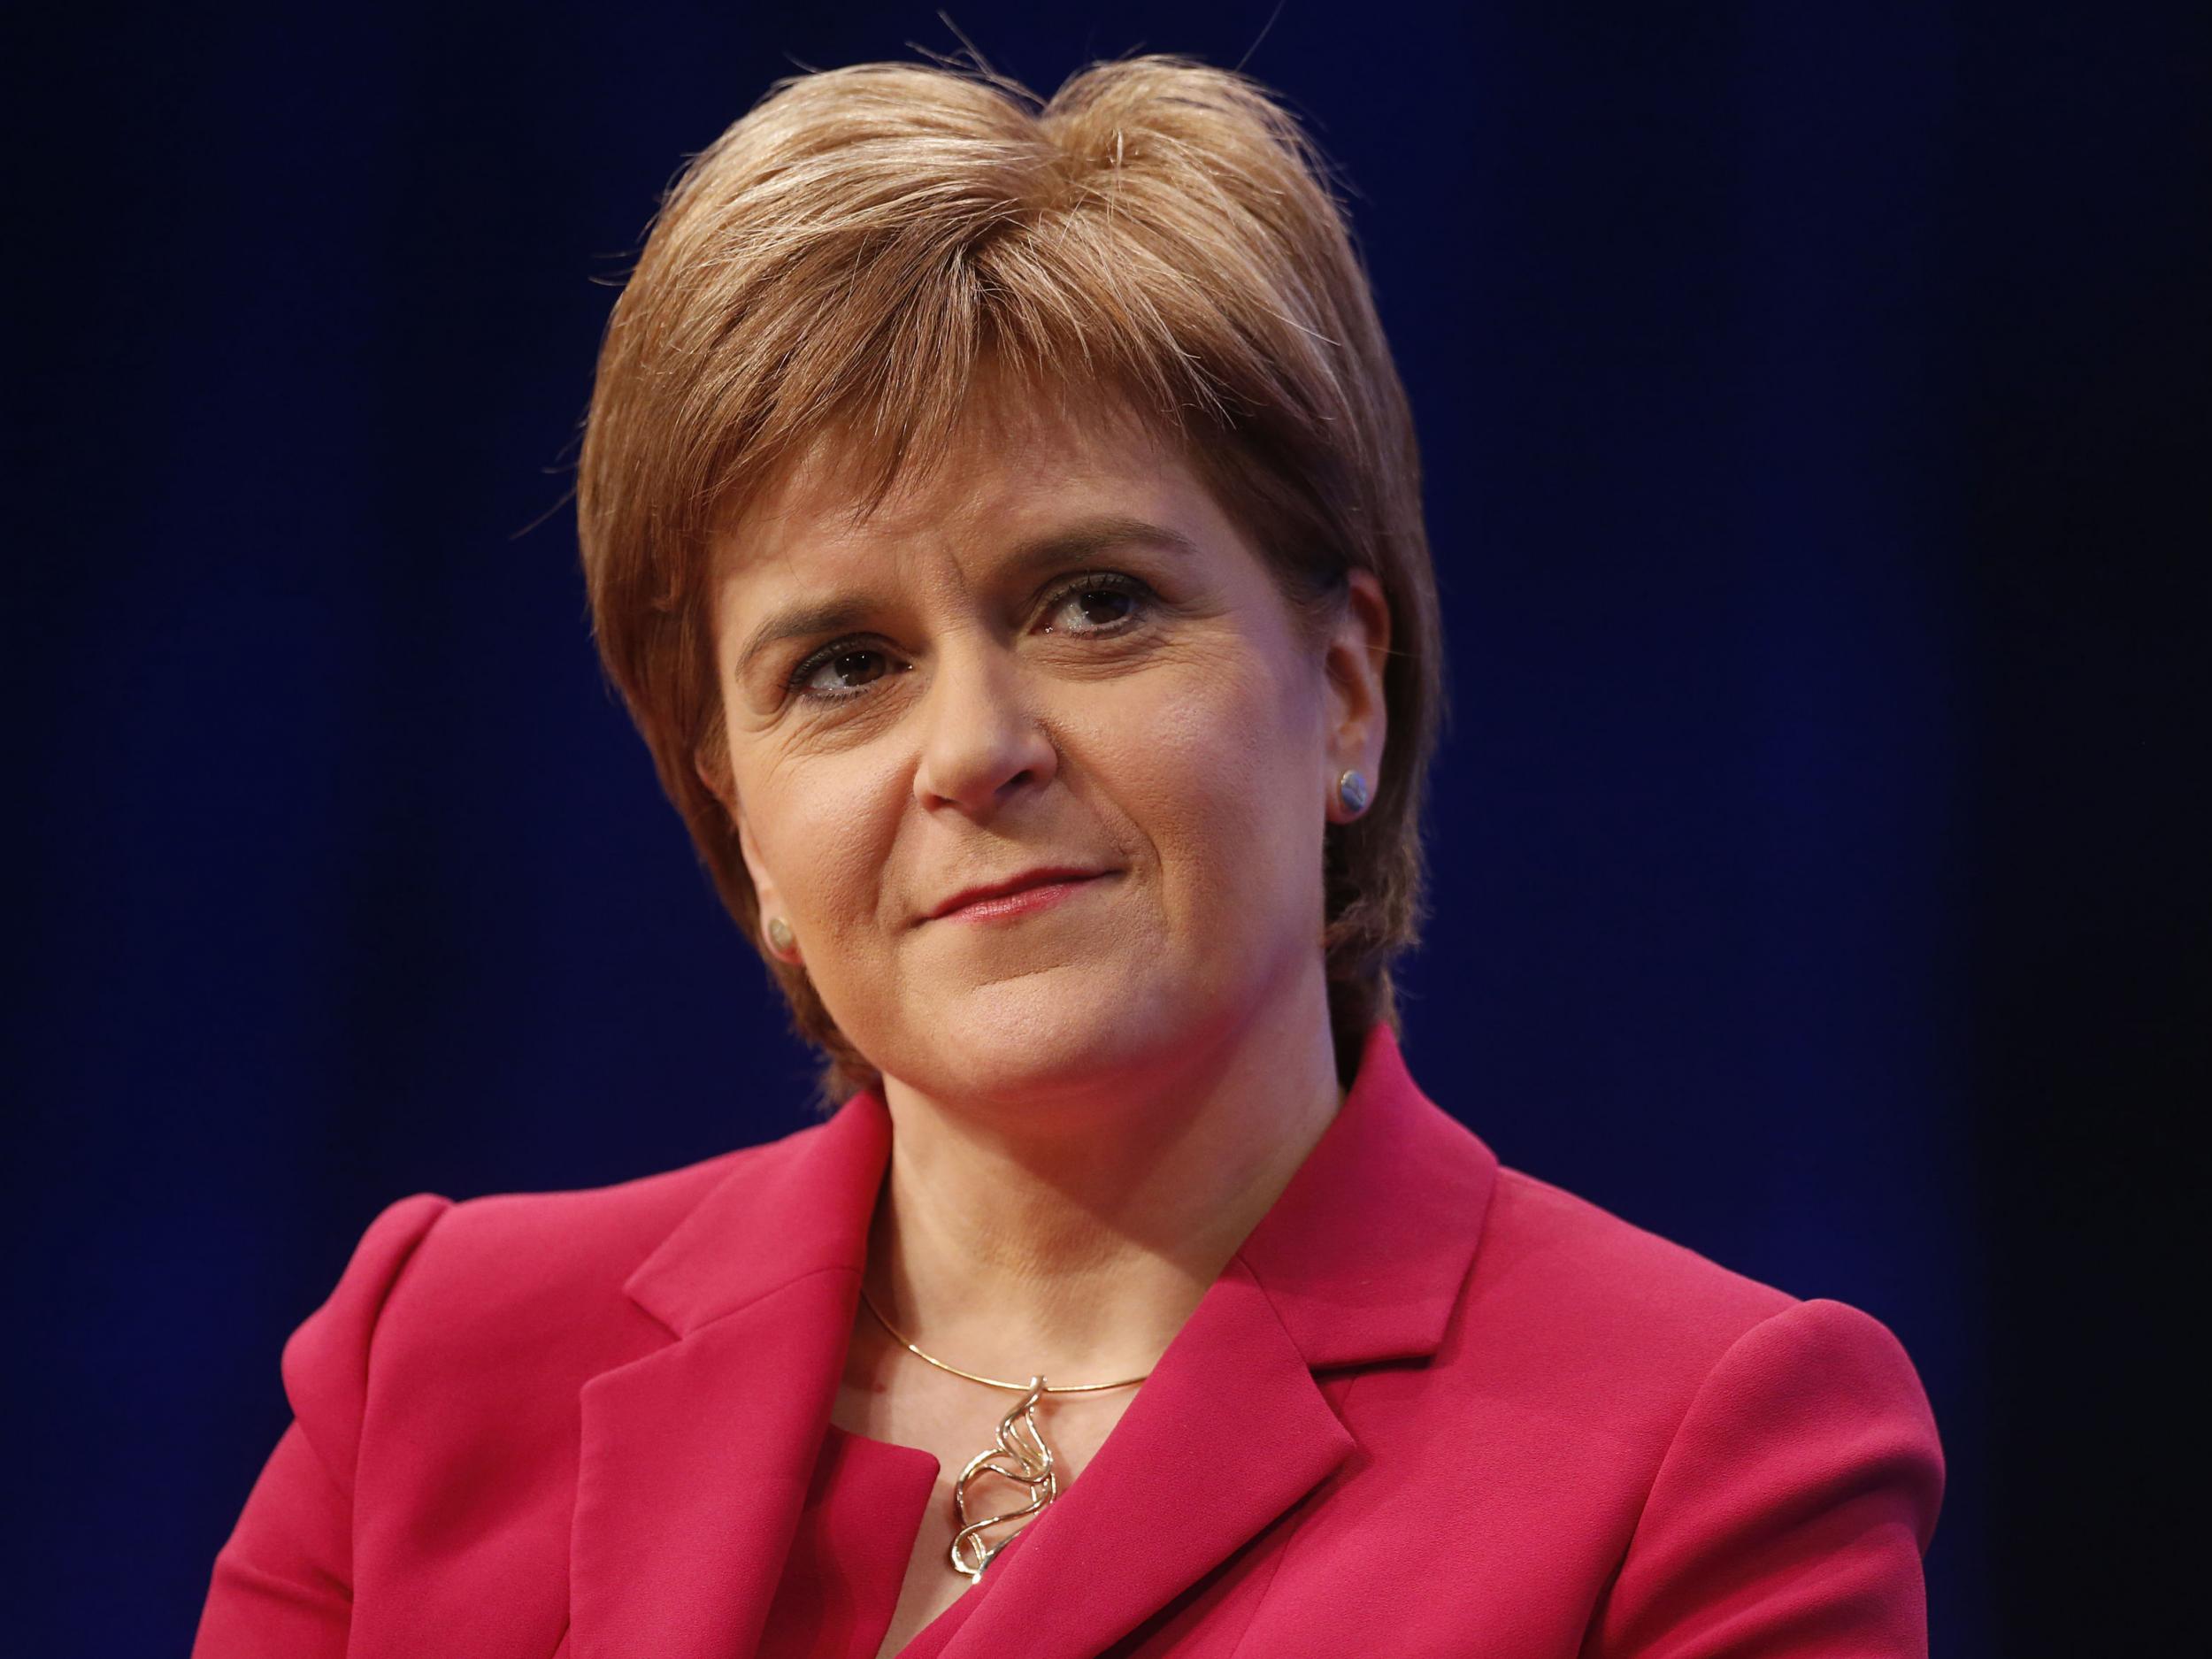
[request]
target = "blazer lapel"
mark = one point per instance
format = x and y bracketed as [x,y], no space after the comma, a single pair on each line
[1229,1431]
[695,1459]
[1360,1260]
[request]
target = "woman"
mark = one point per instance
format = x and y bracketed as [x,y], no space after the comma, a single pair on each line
[1004,526]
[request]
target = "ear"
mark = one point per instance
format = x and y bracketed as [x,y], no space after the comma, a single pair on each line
[763,883]
[720,786]
[1357,654]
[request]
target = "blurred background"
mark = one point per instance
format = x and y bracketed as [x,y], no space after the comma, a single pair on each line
[1814,408]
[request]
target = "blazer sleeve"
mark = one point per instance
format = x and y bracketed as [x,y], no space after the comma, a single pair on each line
[283,1584]
[1791,1510]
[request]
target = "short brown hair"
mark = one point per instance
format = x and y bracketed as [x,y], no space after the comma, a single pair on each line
[845,261]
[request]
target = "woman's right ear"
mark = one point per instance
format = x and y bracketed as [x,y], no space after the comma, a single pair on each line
[764,890]
[717,781]
[763,883]
[775,922]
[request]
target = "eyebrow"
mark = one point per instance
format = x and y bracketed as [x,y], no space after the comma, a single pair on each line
[1085,539]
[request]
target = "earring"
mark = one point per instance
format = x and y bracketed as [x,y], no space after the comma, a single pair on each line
[779,933]
[1351,790]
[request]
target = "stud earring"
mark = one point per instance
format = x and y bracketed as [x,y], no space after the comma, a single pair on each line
[1351,788]
[779,933]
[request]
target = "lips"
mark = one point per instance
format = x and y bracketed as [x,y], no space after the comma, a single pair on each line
[1039,877]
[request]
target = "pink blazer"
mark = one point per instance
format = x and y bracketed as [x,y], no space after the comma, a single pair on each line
[1431,1407]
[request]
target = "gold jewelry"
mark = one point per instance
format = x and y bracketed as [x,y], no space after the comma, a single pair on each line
[779,933]
[1020,1457]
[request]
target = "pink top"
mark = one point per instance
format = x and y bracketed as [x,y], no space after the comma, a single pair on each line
[1431,1407]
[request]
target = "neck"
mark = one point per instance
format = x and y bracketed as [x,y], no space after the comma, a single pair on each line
[1075,1242]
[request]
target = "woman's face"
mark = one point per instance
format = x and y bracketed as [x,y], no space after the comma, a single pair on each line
[1061,655]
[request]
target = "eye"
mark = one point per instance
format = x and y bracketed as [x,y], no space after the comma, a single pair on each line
[1104,602]
[1098,604]
[849,668]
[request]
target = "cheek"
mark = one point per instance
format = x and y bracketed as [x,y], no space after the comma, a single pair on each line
[1218,784]
[824,832]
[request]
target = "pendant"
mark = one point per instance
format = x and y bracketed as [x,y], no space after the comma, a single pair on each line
[1022,1457]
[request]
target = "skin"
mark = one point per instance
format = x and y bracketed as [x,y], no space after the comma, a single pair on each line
[1091,1106]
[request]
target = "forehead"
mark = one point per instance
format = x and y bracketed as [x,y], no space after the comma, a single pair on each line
[1013,468]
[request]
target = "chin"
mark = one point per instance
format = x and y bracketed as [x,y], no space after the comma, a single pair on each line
[1056,1032]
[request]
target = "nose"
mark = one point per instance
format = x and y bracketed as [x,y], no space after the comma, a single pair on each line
[981,738]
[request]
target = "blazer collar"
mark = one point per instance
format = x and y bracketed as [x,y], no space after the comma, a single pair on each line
[1360,1260]
[795,1208]
[1363,1254]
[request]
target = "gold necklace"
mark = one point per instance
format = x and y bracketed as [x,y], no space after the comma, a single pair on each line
[1020,1457]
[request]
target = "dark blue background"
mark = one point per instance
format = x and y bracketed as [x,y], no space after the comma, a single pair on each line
[1813,412]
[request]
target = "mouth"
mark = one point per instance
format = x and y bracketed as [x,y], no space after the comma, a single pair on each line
[1033,890]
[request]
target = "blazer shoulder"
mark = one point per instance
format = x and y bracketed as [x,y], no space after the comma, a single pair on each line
[325,1360]
[438,1287]
[1576,1267]
[1575,1312]
[589,1223]
[1792,1502]
[560,1253]
[480,1313]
